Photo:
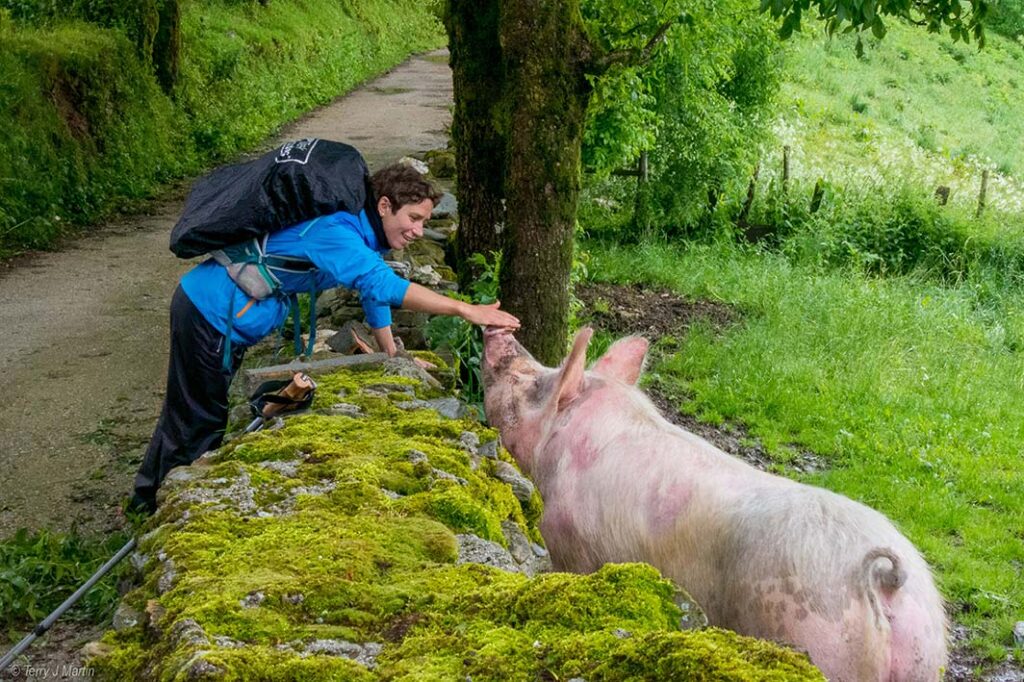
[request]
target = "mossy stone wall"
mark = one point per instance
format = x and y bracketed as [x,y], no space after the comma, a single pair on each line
[335,548]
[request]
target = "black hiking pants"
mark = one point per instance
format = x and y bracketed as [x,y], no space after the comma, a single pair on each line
[195,411]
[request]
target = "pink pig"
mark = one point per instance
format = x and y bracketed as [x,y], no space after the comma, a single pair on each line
[762,555]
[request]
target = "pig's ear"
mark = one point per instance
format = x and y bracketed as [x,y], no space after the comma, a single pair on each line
[570,380]
[624,360]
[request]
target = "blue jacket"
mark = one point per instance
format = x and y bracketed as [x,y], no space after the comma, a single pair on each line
[346,252]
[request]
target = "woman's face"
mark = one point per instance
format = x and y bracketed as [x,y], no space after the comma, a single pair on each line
[404,226]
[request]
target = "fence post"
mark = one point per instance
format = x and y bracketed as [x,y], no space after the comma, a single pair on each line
[981,194]
[817,196]
[785,170]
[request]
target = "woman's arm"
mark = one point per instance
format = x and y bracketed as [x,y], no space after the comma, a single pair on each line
[385,340]
[424,300]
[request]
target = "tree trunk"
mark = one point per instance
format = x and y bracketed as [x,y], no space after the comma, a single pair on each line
[480,147]
[167,45]
[535,113]
[546,102]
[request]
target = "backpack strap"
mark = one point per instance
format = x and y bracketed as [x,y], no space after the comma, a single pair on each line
[293,309]
[312,320]
[253,254]
[273,261]
[226,364]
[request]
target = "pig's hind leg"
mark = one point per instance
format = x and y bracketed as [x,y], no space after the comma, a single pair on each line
[827,620]
[917,643]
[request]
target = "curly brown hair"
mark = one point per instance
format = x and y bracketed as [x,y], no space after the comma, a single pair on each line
[402,184]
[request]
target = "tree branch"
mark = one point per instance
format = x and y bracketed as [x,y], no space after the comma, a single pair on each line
[633,56]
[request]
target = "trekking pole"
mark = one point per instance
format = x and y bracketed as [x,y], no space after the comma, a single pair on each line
[43,627]
[295,395]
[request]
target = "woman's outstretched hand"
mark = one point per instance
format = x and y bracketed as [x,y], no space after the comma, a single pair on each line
[490,315]
[420,298]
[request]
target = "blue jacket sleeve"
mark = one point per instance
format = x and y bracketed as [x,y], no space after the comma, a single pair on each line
[344,259]
[377,316]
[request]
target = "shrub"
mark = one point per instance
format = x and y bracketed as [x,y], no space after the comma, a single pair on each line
[38,571]
[893,231]
[85,122]
[699,108]
[1006,17]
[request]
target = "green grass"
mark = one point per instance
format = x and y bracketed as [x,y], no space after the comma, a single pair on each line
[917,106]
[907,389]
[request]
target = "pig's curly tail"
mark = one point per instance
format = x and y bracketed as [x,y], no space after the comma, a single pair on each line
[883,574]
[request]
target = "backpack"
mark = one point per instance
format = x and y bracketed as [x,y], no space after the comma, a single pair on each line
[299,181]
[230,213]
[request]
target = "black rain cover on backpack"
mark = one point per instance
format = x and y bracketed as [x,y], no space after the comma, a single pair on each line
[300,181]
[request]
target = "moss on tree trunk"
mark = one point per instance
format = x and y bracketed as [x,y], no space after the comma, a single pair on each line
[546,100]
[478,79]
[167,45]
[522,90]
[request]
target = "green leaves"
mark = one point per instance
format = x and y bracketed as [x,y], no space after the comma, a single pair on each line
[38,571]
[859,15]
[789,24]
[878,28]
[698,109]
[622,120]
[464,340]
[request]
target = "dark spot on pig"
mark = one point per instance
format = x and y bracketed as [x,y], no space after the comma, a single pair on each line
[802,613]
[510,414]
[582,451]
[540,391]
[502,365]
[668,503]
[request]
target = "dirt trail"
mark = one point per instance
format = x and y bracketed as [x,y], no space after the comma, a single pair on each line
[83,331]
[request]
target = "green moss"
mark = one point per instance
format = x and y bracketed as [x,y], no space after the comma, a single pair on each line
[429,355]
[328,530]
[616,596]
[711,655]
[604,626]
[268,663]
[456,508]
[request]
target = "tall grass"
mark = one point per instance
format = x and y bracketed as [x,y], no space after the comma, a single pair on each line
[908,389]
[917,105]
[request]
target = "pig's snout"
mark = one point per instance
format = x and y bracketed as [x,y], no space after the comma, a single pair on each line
[498,345]
[492,332]
[500,348]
